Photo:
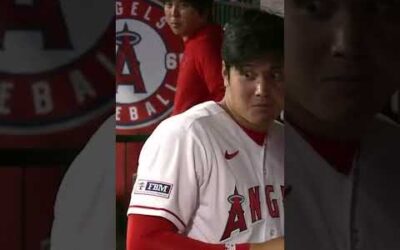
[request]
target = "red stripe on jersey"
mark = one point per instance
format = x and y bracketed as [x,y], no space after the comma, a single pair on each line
[161,209]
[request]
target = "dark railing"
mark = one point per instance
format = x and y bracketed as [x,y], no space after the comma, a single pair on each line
[225,10]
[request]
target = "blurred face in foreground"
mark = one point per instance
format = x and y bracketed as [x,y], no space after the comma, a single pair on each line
[254,91]
[342,62]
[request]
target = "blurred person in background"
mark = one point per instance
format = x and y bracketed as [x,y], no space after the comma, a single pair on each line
[342,161]
[199,77]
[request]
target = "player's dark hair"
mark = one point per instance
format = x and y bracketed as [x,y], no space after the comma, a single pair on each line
[252,36]
[201,6]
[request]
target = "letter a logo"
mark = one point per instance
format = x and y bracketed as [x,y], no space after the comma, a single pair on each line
[236,218]
[128,66]
[44,16]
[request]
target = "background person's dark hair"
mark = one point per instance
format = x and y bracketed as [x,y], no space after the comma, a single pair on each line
[252,36]
[201,6]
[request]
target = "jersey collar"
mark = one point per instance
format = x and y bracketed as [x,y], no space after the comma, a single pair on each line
[257,137]
[338,154]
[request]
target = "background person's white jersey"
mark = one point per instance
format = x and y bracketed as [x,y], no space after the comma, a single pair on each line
[203,172]
[328,210]
[84,212]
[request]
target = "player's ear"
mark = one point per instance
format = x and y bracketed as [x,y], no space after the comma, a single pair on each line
[225,74]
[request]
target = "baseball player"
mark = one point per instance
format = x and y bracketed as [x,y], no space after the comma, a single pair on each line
[212,177]
[341,159]
[199,77]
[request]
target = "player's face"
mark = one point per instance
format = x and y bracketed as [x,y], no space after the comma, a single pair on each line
[342,57]
[254,92]
[182,18]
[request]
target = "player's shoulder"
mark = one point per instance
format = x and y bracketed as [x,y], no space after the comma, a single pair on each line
[191,121]
[188,129]
[209,39]
[384,134]
[210,32]
[276,134]
[385,127]
[277,127]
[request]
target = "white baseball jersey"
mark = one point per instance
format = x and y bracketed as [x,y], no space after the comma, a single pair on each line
[84,212]
[202,172]
[328,210]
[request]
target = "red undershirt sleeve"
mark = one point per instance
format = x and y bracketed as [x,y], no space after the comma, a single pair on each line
[157,233]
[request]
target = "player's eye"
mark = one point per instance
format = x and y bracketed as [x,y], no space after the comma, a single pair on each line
[320,9]
[184,5]
[277,75]
[248,75]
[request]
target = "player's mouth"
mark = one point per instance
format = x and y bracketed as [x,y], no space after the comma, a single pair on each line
[262,101]
[348,74]
[263,105]
[346,84]
[174,24]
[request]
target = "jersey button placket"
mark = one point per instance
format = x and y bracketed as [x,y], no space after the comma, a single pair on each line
[354,232]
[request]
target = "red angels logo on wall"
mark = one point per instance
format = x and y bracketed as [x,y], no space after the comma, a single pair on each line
[56,64]
[148,55]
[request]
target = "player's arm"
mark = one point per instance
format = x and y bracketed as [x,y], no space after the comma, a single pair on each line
[157,233]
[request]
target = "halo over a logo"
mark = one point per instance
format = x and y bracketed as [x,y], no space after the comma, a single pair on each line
[56,64]
[148,56]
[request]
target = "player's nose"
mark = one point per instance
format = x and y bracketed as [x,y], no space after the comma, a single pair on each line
[347,38]
[261,86]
